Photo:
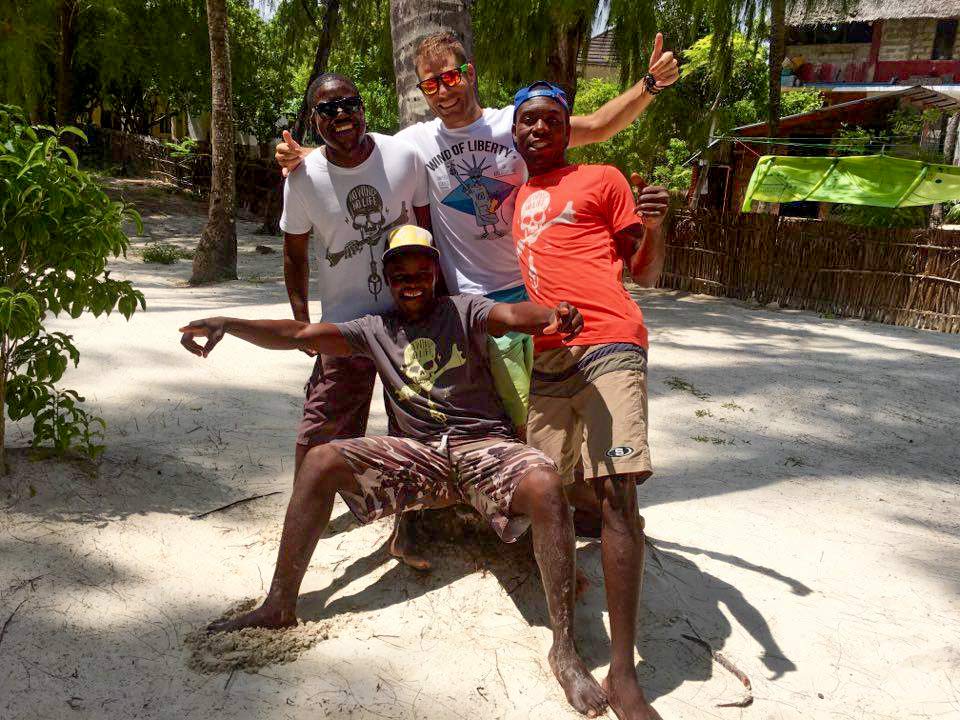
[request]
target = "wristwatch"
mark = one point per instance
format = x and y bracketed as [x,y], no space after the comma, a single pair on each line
[650,83]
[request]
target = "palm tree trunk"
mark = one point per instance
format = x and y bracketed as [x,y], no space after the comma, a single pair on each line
[410,21]
[562,59]
[66,19]
[950,141]
[216,255]
[778,40]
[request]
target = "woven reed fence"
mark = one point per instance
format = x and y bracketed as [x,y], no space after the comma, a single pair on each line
[898,276]
[259,184]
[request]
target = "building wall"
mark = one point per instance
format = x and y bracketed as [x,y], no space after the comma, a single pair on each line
[908,39]
[839,54]
[607,72]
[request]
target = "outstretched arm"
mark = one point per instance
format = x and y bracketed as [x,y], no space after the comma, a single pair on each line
[533,319]
[322,337]
[617,114]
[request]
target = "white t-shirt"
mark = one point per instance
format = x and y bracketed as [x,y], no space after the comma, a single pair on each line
[351,211]
[474,173]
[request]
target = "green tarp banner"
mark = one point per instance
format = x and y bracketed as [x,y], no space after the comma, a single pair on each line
[878,180]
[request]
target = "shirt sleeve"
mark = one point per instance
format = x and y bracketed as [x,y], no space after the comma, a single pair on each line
[421,193]
[294,218]
[617,203]
[409,134]
[356,333]
[477,310]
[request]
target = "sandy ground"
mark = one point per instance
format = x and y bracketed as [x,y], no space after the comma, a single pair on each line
[803,521]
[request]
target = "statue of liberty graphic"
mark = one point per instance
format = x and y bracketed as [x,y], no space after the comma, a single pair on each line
[477,194]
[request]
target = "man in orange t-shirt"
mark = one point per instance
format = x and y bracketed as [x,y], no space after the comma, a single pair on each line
[575,226]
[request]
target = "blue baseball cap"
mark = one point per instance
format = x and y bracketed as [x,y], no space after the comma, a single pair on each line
[541,88]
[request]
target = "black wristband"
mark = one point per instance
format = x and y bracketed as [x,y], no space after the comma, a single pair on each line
[650,83]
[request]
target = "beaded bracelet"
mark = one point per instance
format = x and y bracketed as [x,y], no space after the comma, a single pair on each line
[650,82]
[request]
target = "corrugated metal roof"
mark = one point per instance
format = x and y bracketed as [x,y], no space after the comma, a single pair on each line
[924,96]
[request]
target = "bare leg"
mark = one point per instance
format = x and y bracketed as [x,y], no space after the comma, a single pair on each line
[622,556]
[322,473]
[587,517]
[540,497]
[402,544]
[587,511]
[302,451]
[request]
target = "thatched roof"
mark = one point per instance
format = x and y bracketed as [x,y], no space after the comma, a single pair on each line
[865,10]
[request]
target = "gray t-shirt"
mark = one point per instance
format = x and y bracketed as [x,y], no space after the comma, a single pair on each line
[436,372]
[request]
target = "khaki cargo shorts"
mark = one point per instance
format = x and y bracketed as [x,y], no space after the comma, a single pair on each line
[589,403]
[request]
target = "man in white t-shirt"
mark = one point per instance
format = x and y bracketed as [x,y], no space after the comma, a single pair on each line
[350,194]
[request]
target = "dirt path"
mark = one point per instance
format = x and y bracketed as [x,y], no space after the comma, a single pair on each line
[803,523]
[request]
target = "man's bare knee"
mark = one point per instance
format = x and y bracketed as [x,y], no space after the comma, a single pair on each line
[539,494]
[323,467]
[619,503]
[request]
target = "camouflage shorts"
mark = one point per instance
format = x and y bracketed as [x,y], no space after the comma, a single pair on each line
[397,474]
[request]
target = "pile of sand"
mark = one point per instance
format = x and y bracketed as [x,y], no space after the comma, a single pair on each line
[251,648]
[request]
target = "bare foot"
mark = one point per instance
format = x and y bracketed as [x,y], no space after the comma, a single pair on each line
[402,546]
[627,699]
[582,691]
[262,617]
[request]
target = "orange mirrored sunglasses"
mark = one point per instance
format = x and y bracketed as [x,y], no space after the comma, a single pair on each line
[450,78]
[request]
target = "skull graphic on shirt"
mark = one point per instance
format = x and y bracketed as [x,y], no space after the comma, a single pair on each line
[422,367]
[533,221]
[533,217]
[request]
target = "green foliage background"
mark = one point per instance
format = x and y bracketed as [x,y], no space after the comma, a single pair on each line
[57,230]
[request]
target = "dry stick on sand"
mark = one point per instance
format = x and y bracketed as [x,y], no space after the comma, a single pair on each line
[723,662]
[235,502]
[3,630]
[715,655]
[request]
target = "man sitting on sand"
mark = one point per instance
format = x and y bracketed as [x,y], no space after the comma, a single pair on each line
[574,227]
[455,444]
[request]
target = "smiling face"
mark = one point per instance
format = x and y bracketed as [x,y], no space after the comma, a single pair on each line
[456,106]
[344,131]
[541,132]
[412,278]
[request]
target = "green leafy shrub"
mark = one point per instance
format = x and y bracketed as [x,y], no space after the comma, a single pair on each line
[800,100]
[57,229]
[182,149]
[879,217]
[164,253]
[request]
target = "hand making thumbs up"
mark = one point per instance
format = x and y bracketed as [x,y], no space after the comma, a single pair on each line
[663,65]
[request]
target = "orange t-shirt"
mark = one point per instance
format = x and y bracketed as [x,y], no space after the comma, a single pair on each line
[563,227]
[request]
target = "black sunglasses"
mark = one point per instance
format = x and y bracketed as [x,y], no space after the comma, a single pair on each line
[332,107]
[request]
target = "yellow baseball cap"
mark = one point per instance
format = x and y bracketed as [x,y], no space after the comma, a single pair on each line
[409,238]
